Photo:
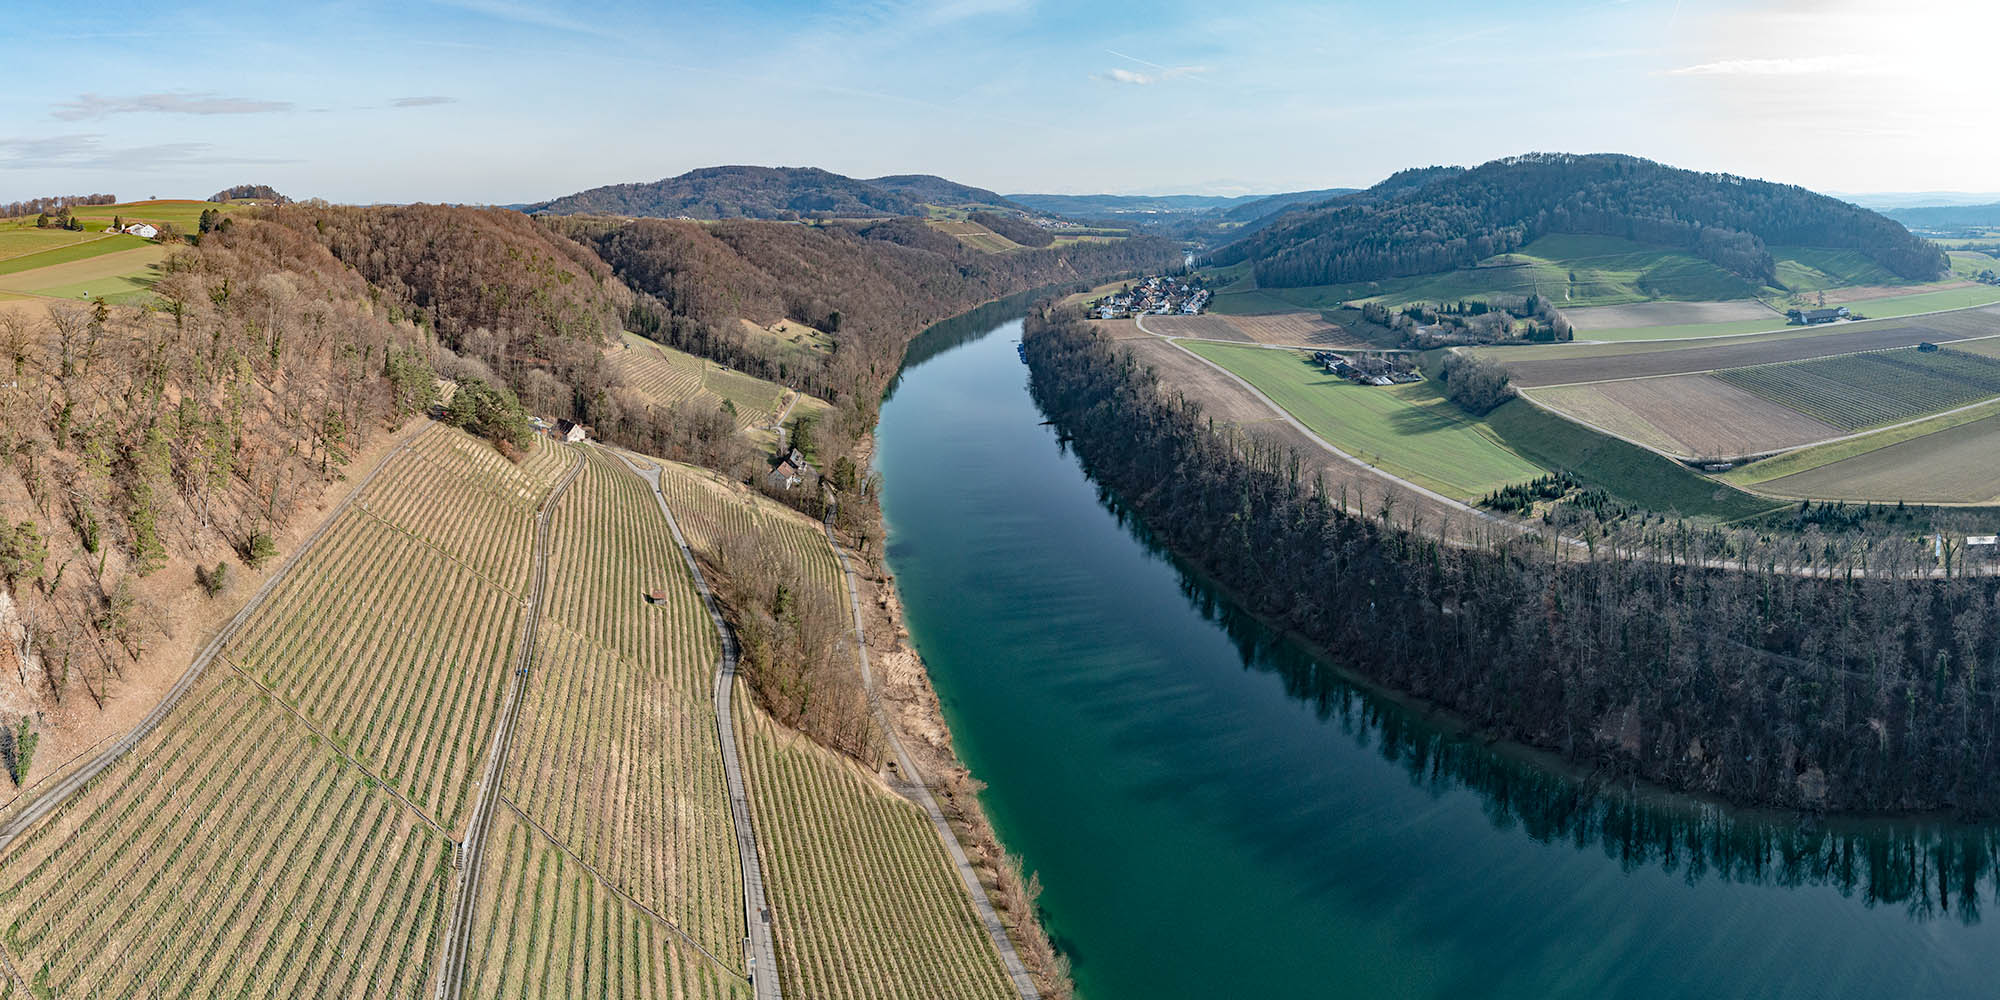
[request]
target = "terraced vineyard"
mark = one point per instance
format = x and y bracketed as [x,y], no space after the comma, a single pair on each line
[1858,391]
[287,829]
[232,853]
[866,901]
[670,378]
[560,932]
[616,758]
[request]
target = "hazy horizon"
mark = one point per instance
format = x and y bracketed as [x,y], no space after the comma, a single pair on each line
[438,102]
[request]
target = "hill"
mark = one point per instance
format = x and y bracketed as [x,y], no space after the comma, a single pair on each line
[936,190]
[1457,219]
[1947,217]
[1098,206]
[1251,211]
[781,193]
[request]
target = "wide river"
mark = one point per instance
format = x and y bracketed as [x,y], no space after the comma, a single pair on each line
[1213,813]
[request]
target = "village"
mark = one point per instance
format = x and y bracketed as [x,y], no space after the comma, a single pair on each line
[1368,369]
[1159,295]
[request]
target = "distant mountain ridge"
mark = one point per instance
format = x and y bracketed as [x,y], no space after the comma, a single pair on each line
[1439,219]
[784,193]
[1947,217]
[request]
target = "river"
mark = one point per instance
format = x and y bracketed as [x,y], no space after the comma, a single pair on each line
[1213,813]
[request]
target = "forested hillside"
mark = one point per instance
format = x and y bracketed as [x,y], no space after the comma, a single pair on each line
[741,193]
[872,287]
[940,191]
[1457,218]
[1832,690]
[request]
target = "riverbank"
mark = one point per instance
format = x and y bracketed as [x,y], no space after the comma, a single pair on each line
[1754,688]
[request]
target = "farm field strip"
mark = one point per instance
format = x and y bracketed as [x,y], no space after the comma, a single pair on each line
[1534,367]
[1954,465]
[28,249]
[133,266]
[547,928]
[1857,391]
[1686,415]
[866,902]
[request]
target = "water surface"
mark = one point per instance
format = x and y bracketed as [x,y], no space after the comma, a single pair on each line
[1214,813]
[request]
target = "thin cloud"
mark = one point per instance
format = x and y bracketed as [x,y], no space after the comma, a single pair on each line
[1790,66]
[422,102]
[88,106]
[1138,79]
[532,15]
[88,152]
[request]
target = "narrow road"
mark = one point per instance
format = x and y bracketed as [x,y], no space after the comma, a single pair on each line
[60,792]
[919,792]
[458,932]
[761,954]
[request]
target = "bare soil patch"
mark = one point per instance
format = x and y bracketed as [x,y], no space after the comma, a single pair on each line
[1734,354]
[1220,396]
[1302,328]
[1689,415]
[1204,327]
[1123,329]
[1951,466]
[1861,293]
[1638,314]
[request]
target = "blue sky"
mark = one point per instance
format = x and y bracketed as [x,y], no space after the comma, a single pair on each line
[517,100]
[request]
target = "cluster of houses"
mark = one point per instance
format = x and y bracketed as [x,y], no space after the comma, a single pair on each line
[1367,370]
[1812,317]
[143,230]
[1159,295]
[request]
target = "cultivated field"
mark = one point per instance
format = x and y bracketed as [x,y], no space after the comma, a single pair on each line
[1202,327]
[119,275]
[616,771]
[181,213]
[1538,367]
[1591,320]
[286,830]
[1955,465]
[1856,391]
[1302,328]
[548,926]
[1687,415]
[866,901]
[1409,430]
[669,378]
[974,235]
[18,242]
[233,852]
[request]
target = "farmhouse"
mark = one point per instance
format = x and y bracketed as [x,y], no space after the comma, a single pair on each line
[1809,317]
[142,230]
[791,470]
[570,431]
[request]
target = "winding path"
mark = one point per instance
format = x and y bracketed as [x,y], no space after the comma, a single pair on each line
[74,782]
[458,933]
[915,789]
[761,953]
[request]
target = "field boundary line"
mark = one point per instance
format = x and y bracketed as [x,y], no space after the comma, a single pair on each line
[316,731]
[756,905]
[451,963]
[69,786]
[920,792]
[446,556]
[545,834]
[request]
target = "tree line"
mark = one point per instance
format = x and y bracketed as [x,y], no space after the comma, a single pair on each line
[1456,219]
[1838,681]
[52,203]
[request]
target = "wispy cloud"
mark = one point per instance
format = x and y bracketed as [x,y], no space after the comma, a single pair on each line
[532,15]
[87,151]
[1789,66]
[88,106]
[1154,72]
[422,102]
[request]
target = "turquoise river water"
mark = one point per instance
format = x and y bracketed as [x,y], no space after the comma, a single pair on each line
[1213,813]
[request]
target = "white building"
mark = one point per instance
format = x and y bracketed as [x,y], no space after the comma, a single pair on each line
[142,230]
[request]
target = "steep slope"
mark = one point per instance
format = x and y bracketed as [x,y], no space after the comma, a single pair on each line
[1456,220]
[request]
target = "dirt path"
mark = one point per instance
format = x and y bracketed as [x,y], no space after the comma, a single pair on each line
[70,784]
[762,953]
[914,788]
[458,933]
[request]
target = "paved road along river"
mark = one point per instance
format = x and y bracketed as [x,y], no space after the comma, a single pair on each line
[1214,813]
